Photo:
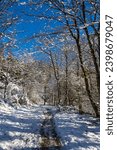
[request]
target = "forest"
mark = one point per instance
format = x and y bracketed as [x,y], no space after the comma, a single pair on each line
[49,74]
[50,54]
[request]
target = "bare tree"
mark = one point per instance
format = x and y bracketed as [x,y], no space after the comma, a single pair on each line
[53,59]
[75,18]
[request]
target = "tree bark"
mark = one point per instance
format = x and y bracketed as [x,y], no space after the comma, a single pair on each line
[91,49]
[85,79]
[56,77]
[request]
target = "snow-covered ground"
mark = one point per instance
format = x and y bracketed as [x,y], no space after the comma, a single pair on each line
[20,128]
[78,132]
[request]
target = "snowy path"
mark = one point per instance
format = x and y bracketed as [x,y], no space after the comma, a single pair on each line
[45,128]
[49,139]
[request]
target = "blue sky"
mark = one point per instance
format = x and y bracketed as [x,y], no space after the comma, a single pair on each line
[27,26]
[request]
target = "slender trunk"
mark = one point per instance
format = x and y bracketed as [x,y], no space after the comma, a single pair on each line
[5,87]
[80,100]
[80,106]
[94,60]
[53,99]
[56,77]
[98,39]
[66,79]
[5,90]
[45,94]
[59,92]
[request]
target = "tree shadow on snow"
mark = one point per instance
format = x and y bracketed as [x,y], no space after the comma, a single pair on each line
[78,134]
[10,124]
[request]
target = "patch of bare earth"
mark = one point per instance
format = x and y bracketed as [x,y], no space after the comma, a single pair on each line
[49,139]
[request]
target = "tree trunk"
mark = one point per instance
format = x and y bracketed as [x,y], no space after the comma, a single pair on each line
[66,79]
[56,77]
[86,80]
[91,49]
[5,90]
